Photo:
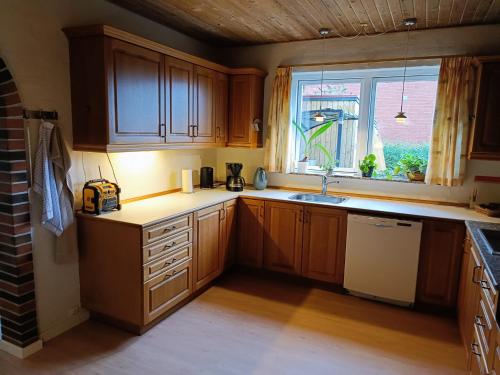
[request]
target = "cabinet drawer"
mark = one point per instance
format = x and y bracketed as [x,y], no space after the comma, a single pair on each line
[477,352]
[167,228]
[486,329]
[172,259]
[488,291]
[169,244]
[166,290]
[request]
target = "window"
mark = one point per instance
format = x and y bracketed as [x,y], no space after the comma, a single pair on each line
[362,105]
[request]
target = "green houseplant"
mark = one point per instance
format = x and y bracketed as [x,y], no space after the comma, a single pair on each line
[308,146]
[414,166]
[367,165]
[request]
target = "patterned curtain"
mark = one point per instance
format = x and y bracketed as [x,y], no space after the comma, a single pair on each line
[452,118]
[278,123]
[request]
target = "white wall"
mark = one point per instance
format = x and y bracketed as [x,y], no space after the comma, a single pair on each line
[36,52]
[472,40]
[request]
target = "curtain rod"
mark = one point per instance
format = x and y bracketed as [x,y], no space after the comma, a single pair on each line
[370,61]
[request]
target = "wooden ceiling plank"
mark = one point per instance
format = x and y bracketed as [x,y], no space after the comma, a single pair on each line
[408,9]
[444,12]
[309,26]
[374,14]
[397,14]
[285,15]
[432,13]
[339,22]
[493,13]
[481,11]
[385,15]
[421,13]
[469,11]
[350,14]
[363,16]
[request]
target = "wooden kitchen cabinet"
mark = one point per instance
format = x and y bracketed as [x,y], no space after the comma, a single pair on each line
[221,108]
[250,232]
[230,236]
[485,136]
[246,95]
[283,225]
[179,100]
[439,264]
[324,244]
[208,244]
[468,294]
[129,94]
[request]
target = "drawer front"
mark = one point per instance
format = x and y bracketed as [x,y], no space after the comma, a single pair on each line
[486,329]
[166,290]
[488,291]
[478,353]
[172,259]
[169,244]
[167,228]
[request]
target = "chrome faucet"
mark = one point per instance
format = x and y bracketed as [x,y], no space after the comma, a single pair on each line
[325,183]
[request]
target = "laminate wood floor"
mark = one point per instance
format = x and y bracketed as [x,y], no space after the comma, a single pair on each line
[255,325]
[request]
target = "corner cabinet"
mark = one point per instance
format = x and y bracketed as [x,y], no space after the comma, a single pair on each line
[246,95]
[131,94]
[250,232]
[485,135]
[441,250]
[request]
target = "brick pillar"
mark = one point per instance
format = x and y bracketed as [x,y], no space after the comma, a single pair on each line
[17,288]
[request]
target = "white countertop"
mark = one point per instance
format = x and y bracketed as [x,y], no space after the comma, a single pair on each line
[152,210]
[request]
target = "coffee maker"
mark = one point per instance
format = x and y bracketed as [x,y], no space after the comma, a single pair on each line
[234,182]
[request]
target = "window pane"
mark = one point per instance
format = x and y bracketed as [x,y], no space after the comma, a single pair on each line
[339,103]
[392,140]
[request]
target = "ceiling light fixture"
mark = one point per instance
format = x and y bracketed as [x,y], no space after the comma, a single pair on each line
[319,117]
[408,22]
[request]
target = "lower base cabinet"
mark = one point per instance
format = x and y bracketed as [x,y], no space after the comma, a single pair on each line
[250,232]
[207,244]
[230,235]
[283,225]
[323,256]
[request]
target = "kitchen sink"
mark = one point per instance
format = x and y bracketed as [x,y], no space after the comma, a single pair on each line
[492,238]
[318,198]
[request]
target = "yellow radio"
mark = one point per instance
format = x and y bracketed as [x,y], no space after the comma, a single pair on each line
[100,195]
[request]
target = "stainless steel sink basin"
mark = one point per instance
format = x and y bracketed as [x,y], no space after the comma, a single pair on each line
[318,198]
[492,238]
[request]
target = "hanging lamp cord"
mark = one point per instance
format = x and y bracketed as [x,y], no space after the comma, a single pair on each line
[406,64]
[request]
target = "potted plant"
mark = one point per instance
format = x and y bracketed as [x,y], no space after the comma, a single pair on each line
[367,165]
[414,166]
[303,163]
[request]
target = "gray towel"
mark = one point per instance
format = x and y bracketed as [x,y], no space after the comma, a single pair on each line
[52,181]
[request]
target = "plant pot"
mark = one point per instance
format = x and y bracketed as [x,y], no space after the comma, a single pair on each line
[302,166]
[369,173]
[415,176]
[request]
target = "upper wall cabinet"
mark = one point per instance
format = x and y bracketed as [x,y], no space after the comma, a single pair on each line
[246,95]
[485,142]
[130,94]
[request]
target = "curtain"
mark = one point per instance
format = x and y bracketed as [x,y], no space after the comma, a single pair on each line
[278,123]
[450,134]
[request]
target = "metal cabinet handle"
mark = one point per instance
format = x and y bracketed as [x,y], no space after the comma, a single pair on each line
[473,346]
[172,261]
[478,322]
[163,130]
[484,284]
[474,274]
[222,213]
[171,245]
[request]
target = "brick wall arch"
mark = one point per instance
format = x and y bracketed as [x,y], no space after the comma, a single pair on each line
[17,288]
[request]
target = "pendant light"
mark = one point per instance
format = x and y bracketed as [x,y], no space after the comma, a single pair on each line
[401,116]
[319,117]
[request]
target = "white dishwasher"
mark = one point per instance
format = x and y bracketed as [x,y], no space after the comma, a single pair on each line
[381,259]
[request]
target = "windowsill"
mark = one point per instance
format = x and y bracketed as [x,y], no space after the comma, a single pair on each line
[357,176]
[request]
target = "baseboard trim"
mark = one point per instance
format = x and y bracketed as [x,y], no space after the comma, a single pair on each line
[65,325]
[19,352]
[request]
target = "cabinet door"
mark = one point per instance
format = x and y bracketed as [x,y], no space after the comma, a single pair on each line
[230,235]
[166,290]
[245,111]
[283,224]
[486,137]
[468,294]
[323,255]
[207,245]
[136,86]
[179,100]
[204,105]
[439,264]
[250,232]
[221,108]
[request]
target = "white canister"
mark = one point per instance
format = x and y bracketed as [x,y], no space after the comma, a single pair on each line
[187,180]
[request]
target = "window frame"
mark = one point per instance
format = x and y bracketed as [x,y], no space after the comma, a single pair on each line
[368,77]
